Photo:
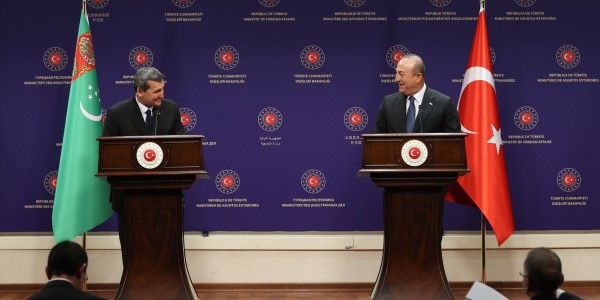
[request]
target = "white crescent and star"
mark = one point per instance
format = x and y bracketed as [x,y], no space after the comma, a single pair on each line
[471,75]
[149,155]
[313,181]
[140,58]
[227,181]
[269,119]
[569,180]
[496,138]
[414,152]
[89,116]
[475,74]
[226,57]
[185,119]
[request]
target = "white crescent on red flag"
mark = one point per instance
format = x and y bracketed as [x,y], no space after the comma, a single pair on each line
[486,186]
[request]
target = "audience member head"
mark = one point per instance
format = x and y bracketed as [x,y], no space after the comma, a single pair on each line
[543,272]
[68,260]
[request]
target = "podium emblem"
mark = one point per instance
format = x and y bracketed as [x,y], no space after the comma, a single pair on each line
[414,153]
[149,155]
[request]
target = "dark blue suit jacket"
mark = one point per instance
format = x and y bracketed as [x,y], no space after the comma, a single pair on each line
[125,119]
[62,290]
[437,113]
[563,296]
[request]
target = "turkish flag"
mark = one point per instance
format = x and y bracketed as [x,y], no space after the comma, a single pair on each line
[486,186]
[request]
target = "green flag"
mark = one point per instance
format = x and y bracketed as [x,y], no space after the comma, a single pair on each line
[81,200]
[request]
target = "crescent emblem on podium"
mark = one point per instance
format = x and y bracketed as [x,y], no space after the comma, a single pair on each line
[414,153]
[149,155]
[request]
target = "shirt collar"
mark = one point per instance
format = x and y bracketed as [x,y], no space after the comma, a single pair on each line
[142,107]
[60,279]
[419,95]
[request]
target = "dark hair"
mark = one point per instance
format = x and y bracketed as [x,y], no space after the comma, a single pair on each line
[66,258]
[543,270]
[419,64]
[141,77]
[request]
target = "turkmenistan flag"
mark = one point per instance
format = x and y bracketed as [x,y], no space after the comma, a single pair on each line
[81,199]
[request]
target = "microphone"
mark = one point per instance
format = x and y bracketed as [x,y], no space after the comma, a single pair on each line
[156,114]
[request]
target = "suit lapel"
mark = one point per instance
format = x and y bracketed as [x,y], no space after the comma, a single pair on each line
[426,108]
[401,112]
[136,115]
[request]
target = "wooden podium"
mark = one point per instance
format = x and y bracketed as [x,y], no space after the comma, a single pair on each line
[415,170]
[152,171]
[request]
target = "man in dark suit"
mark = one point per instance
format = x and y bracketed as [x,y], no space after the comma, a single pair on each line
[431,110]
[66,270]
[147,113]
[543,276]
[130,117]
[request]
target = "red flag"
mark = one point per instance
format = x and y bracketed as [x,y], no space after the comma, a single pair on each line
[486,186]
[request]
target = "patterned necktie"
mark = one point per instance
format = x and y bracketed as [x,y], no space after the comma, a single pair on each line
[410,115]
[149,122]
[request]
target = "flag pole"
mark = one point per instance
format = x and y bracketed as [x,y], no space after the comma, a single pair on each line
[84,245]
[483,248]
[483,221]
[84,235]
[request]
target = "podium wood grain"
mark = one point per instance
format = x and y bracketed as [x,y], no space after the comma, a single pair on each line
[154,263]
[412,265]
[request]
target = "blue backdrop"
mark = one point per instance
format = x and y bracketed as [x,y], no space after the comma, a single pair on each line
[283,89]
